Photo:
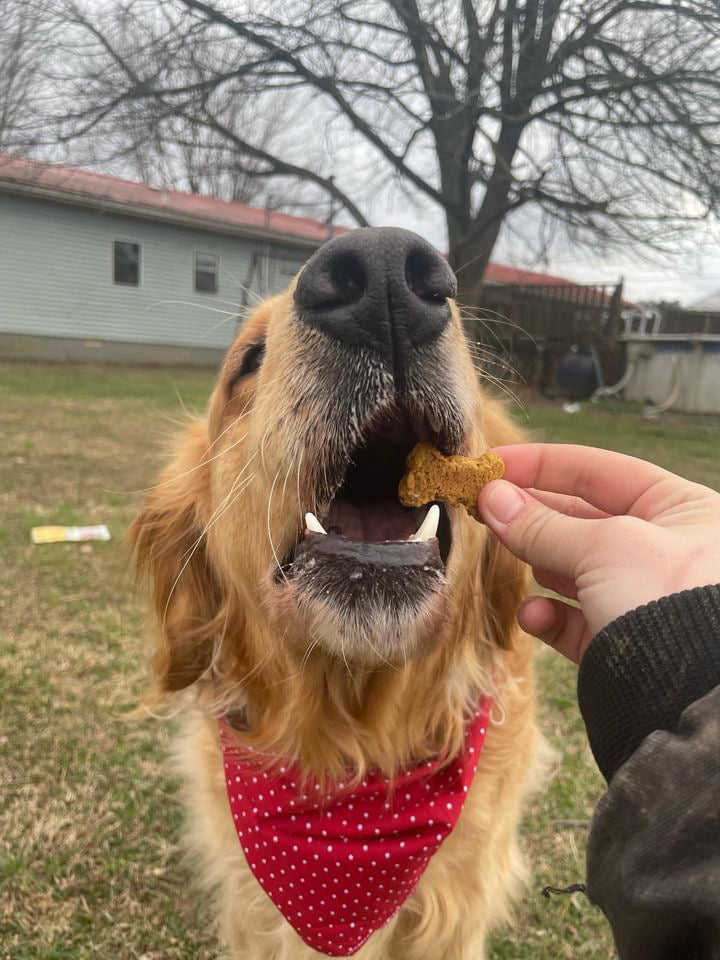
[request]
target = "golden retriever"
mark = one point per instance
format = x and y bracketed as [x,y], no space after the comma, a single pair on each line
[351,656]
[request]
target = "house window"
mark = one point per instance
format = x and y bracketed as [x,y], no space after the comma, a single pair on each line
[206,272]
[126,263]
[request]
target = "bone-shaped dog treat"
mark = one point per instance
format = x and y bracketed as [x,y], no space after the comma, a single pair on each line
[456,480]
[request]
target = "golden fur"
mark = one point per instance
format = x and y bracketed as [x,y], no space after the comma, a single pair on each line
[232,637]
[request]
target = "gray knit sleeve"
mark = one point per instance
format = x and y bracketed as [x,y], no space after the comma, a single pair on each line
[645,668]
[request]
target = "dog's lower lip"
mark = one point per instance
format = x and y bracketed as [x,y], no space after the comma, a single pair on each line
[390,554]
[363,559]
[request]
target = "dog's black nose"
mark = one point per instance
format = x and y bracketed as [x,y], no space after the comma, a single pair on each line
[380,287]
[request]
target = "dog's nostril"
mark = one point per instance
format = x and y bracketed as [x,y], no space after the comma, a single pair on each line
[341,283]
[381,288]
[428,278]
[349,279]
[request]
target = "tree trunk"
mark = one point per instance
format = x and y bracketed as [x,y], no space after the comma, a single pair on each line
[470,248]
[472,239]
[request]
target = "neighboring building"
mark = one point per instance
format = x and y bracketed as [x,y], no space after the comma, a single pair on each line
[709,304]
[97,268]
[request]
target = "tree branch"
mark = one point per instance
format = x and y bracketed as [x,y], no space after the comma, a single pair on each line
[281,167]
[325,85]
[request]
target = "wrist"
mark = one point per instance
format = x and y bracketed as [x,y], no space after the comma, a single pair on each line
[638,584]
[645,667]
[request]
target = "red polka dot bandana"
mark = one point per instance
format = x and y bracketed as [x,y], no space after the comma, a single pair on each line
[339,863]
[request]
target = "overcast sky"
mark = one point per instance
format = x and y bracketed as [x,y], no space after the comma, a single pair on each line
[324,142]
[686,278]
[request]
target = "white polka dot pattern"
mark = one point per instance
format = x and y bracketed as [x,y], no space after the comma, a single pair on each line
[338,864]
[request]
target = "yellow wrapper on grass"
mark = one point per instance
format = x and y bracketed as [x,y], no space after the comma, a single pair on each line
[455,480]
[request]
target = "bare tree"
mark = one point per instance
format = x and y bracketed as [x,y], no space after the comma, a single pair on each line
[604,115]
[148,136]
[178,152]
[26,41]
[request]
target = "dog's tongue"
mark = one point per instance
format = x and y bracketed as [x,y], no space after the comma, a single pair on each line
[373,521]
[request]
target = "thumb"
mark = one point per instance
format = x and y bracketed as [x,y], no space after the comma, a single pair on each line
[557,624]
[532,531]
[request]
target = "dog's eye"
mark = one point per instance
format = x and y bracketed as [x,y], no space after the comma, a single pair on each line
[252,358]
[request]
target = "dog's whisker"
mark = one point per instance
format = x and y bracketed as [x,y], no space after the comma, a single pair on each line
[227,699]
[182,403]
[228,314]
[482,357]
[496,317]
[190,554]
[245,412]
[297,486]
[165,715]
[287,475]
[342,651]
[270,427]
[198,466]
[222,506]
[510,394]
[487,351]
[314,642]
[217,648]
[380,657]
[269,528]
[213,519]
[240,307]
[325,477]
[165,418]
[241,286]
[495,367]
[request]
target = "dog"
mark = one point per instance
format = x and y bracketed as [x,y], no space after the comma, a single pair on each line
[356,703]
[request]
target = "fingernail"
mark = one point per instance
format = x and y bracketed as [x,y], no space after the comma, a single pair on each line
[504,502]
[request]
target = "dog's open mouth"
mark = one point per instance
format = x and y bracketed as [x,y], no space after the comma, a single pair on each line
[364,531]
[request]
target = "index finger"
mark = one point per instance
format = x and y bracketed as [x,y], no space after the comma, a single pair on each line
[613,482]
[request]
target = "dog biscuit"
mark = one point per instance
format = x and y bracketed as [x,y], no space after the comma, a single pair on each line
[430,475]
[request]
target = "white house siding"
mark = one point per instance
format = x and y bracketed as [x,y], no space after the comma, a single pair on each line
[56,277]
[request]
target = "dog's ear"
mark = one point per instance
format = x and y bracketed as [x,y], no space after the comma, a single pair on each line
[170,551]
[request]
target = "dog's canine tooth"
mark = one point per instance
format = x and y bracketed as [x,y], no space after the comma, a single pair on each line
[428,528]
[313,524]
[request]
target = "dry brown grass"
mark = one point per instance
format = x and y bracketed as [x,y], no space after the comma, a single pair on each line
[88,823]
[88,866]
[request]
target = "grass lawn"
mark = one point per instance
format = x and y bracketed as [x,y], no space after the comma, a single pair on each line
[88,865]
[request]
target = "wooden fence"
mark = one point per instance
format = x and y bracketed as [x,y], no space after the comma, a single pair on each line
[690,321]
[524,329]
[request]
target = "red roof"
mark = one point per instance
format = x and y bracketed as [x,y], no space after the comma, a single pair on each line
[498,273]
[71,182]
[101,189]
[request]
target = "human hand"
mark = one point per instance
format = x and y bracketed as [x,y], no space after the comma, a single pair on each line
[602,528]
